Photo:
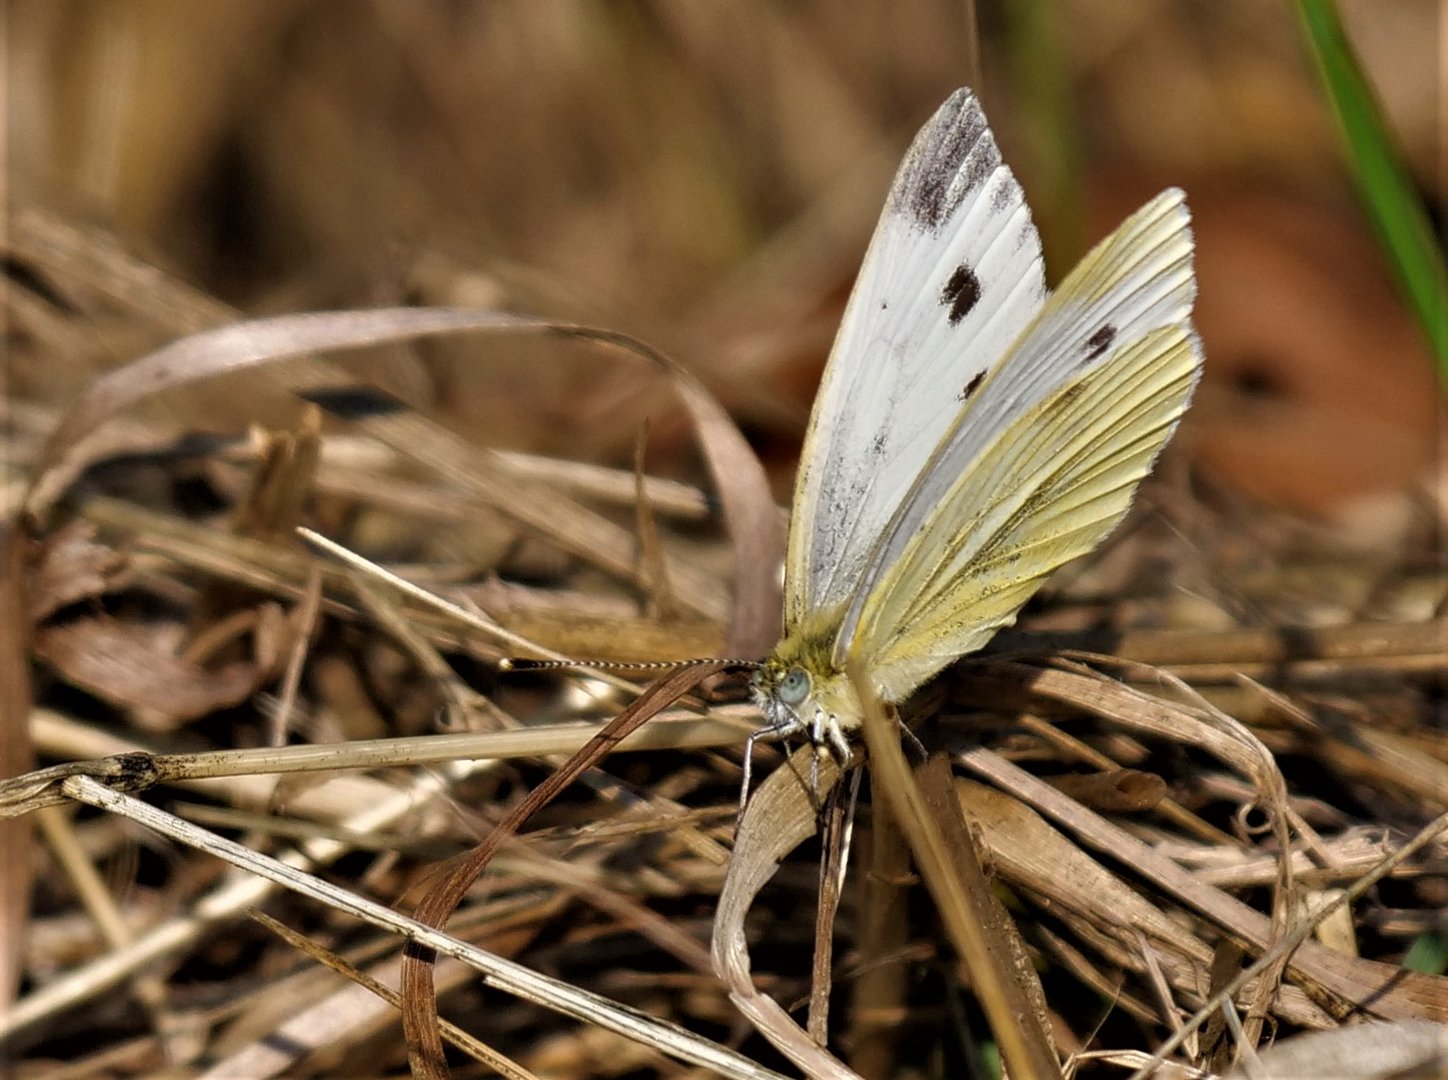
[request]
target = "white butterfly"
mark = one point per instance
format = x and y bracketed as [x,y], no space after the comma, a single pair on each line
[973,431]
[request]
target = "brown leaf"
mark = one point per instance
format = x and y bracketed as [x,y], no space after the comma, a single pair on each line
[113,662]
[70,566]
[1117,791]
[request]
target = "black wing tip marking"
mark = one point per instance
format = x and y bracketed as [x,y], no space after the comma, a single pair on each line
[952,156]
[961,293]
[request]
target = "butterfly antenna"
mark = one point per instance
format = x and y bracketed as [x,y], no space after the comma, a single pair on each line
[519,663]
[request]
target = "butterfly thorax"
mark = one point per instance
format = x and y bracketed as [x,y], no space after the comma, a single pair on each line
[801,691]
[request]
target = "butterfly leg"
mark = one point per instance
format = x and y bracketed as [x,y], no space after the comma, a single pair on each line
[754,737]
[821,737]
[914,741]
[773,731]
[839,745]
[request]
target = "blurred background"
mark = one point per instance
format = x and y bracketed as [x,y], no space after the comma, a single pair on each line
[704,177]
[707,177]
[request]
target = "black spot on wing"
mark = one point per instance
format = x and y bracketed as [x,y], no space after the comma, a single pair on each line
[961,293]
[353,402]
[950,158]
[971,387]
[1099,342]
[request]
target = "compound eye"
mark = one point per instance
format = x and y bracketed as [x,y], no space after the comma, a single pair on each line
[794,687]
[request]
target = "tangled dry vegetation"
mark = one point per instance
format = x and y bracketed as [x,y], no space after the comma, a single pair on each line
[1197,794]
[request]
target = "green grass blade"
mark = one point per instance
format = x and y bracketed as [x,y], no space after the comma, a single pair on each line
[1391,201]
[1048,127]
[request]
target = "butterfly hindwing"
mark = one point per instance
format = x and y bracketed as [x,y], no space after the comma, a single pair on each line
[1043,460]
[952,276]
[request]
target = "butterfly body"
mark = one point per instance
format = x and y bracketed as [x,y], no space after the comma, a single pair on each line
[973,431]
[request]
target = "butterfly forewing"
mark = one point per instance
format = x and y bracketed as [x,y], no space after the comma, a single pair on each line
[1042,462]
[953,275]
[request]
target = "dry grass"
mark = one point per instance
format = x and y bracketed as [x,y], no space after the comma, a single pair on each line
[1193,746]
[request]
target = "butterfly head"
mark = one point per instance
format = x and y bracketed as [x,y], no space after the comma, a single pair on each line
[782,691]
[801,692]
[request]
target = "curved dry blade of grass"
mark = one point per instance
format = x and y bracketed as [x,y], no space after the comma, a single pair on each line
[750,515]
[1392,203]
[779,816]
